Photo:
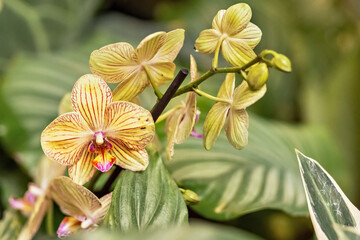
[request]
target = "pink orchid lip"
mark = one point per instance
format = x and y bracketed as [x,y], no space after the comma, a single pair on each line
[103,166]
[195,134]
[68,226]
[197,115]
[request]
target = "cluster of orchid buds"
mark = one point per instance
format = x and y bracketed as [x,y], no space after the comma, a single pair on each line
[107,127]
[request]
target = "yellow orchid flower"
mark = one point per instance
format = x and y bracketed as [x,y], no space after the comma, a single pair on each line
[99,132]
[134,69]
[232,114]
[86,211]
[233,33]
[36,201]
[180,123]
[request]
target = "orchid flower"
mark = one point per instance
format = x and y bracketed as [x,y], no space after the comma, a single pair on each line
[134,69]
[233,33]
[84,209]
[36,201]
[99,132]
[232,114]
[180,123]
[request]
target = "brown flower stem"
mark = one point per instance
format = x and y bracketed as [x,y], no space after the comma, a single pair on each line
[157,110]
[168,95]
[189,87]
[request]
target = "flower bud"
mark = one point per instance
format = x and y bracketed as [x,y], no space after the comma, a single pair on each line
[257,76]
[190,197]
[282,62]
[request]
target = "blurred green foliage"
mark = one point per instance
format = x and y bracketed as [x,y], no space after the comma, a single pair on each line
[45,45]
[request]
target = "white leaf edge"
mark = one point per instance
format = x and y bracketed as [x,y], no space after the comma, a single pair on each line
[353,210]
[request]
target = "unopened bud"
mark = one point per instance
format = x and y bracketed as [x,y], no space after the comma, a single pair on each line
[282,62]
[190,197]
[257,76]
[65,104]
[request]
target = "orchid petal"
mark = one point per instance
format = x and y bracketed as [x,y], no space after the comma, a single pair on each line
[90,96]
[73,199]
[236,18]
[83,170]
[48,169]
[149,46]
[251,35]
[171,46]
[99,214]
[244,96]
[35,219]
[161,72]
[134,85]
[216,23]
[207,41]
[237,52]
[214,122]
[114,62]
[226,90]
[134,160]
[187,120]
[172,126]
[65,138]
[68,226]
[130,123]
[193,69]
[236,128]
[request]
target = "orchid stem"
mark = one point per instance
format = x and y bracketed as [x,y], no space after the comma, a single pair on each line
[165,115]
[50,219]
[153,84]
[189,87]
[211,97]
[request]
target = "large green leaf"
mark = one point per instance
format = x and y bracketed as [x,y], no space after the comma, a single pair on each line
[196,231]
[10,225]
[231,183]
[332,213]
[146,200]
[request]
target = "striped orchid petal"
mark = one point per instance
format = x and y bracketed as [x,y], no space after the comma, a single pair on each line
[149,46]
[171,46]
[65,139]
[226,90]
[131,124]
[83,170]
[114,62]
[99,214]
[134,160]
[90,96]
[236,18]
[216,23]
[161,72]
[237,52]
[251,35]
[73,199]
[236,128]
[207,41]
[244,96]
[128,89]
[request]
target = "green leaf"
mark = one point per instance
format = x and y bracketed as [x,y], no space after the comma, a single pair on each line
[146,200]
[196,231]
[10,226]
[231,183]
[332,213]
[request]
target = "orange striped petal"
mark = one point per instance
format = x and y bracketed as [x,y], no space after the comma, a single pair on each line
[207,41]
[236,128]
[226,90]
[82,171]
[65,138]
[73,199]
[35,219]
[161,72]
[251,35]
[216,23]
[237,52]
[244,96]
[90,96]
[214,122]
[134,160]
[149,46]
[130,88]
[236,18]
[171,46]
[114,62]
[130,124]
